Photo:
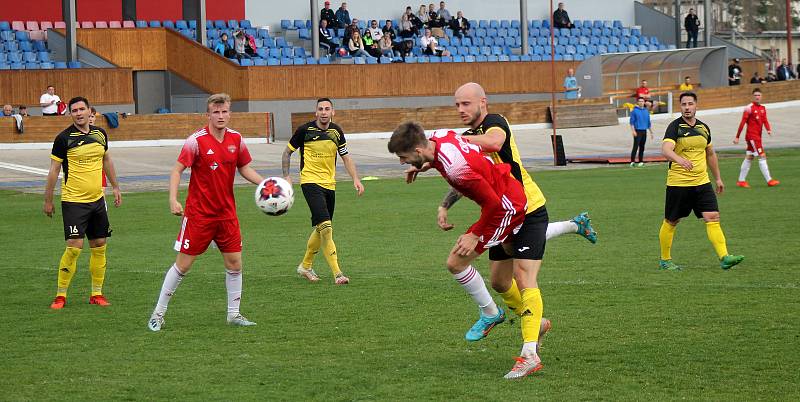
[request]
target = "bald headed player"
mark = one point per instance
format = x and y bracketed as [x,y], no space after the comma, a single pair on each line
[514,279]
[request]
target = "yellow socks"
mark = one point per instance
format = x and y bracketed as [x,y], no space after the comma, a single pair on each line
[714,231]
[312,248]
[532,308]
[97,268]
[512,298]
[325,230]
[665,236]
[66,269]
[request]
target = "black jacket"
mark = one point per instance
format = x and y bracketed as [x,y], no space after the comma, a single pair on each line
[328,15]
[691,23]
[561,18]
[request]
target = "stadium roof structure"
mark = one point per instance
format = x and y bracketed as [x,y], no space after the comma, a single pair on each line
[614,72]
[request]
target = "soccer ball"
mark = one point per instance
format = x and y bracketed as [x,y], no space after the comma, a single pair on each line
[274,196]
[342,52]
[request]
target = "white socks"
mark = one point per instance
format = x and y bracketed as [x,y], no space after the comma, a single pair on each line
[171,281]
[762,164]
[555,229]
[744,169]
[528,349]
[233,283]
[472,282]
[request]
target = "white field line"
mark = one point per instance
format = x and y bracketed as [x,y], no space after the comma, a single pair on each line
[26,169]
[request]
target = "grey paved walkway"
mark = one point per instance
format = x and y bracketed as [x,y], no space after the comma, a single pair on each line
[147,168]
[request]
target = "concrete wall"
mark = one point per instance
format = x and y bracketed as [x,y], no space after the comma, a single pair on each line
[150,91]
[656,23]
[270,12]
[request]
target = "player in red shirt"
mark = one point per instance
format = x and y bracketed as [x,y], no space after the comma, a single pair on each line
[214,153]
[501,198]
[755,116]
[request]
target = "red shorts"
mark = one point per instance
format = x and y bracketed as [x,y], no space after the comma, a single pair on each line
[754,146]
[197,233]
[510,224]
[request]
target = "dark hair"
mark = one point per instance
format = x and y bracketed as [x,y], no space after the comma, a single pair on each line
[320,100]
[641,97]
[690,94]
[757,90]
[406,137]
[93,109]
[686,77]
[76,100]
[22,107]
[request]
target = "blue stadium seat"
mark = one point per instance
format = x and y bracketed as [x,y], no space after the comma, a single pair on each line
[435,59]
[155,24]
[371,60]
[444,42]
[181,24]
[411,59]
[644,48]
[324,60]
[385,60]
[311,60]
[481,58]
[29,57]
[483,24]
[262,33]
[536,57]
[273,61]
[287,52]
[246,62]
[262,53]
[280,41]
[22,36]
[494,24]
[492,57]
[561,49]
[636,32]
[567,57]
[14,57]
[626,32]
[297,24]
[591,49]
[505,24]
[245,24]
[633,40]
[502,32]
[304,34]
[17,66]
[614,41]
[497,50]
[546,24]
[633,48]
[526,57]
[46,66]
[359,60]
[258,61]
[562,40]
[233,24]
[458,59]
[605,40]
[220,24]
[268,42]
[574,40]
[644,41]
[469,59]
[169,24]
[286,25]
[578,57]
[287,61]
[617,24]
[299,61]
[466,41]
[602,49]
[59,64]
[571,50]
[5,26]
[652,48]
[480,33]
[74,64]
[141,24]
[491,32]
[607,32]
[662,47]
[613,49]
[515,24]
[513,32]
[487,41]
[193,24]
[504,58]
[25,46]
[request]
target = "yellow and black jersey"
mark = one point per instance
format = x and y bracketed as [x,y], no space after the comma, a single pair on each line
[509,153]
[81,156]
[318,150]
[690,143]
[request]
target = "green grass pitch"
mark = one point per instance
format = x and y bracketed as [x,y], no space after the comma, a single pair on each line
[622,330]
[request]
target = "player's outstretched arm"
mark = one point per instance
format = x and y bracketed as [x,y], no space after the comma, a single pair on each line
[111,175]
[350,166]
[491,141]
[174,180]
[52,176]
[711,160]
[286,160]
[250,174]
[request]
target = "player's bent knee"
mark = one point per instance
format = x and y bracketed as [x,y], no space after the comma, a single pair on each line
[456,264]
[711,216]
[76,243]
[97,242]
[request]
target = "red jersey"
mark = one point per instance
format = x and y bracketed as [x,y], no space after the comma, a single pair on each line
[500,196]
[214,165]
[643,92]
[755,116]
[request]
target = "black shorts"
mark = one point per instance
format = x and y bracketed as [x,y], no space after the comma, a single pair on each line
[321,202]
[530,241]
[680,201]
[88,219]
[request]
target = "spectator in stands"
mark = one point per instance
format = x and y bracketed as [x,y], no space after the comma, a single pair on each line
[734,73]
[356,45]
[414,20]
[771,77]
[23,111]
[443,14]
[643,91]
[371,45]
[342,16]
[423,16]
[640,124]
[388,29]
[348,32]
[687,84]
[571,88]
[250,45]
[784,72]
[407,28]
[223,47]
[561,18]
[8,111]
[459,25]
[327,14]
[49,102]
[692,25]
[430,45]
[798,70]
[387,47]
[325,38]
[240,45]
[433,17]
[757,79]
[375,30]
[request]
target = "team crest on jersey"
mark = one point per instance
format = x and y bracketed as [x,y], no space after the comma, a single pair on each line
[214,166]
[231,148]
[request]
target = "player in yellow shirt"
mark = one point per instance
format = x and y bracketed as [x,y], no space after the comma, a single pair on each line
[81,150]
[687,145]
[687,84]
[320,142]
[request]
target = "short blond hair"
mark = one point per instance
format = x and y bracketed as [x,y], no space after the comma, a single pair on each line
[218,99]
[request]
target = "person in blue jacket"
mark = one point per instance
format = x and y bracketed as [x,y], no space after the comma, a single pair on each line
[640,124]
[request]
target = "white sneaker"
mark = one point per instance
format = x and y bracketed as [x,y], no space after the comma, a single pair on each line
[307,273]
[240,321]
[640,164]
[524,366]
[341,279]
[155,322]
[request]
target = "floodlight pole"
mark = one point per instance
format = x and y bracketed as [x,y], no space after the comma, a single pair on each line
[789,31]
[68,12]
[678,24]
[553,84]
[523,25]
[314,30]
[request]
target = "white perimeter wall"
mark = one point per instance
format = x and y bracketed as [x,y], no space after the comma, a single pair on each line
[271,12]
